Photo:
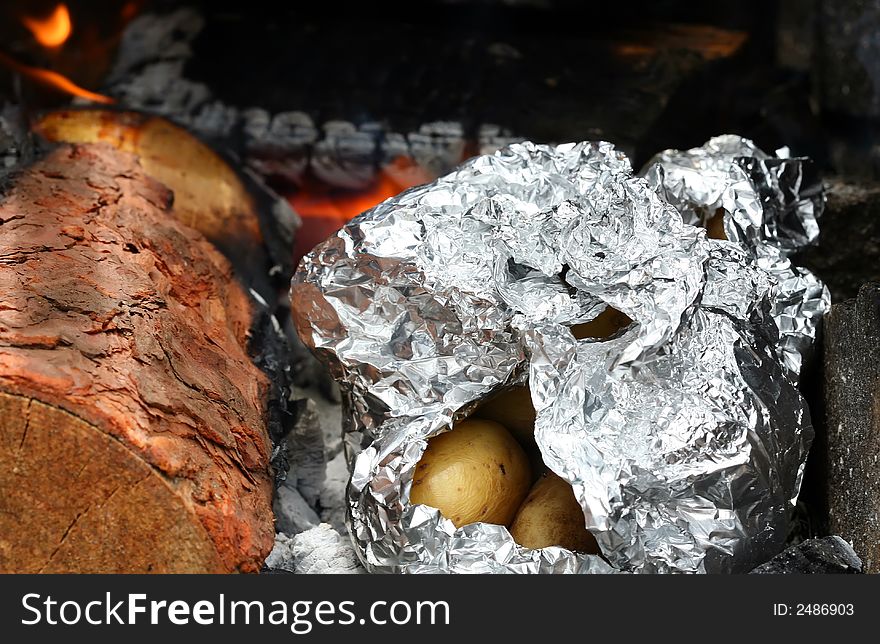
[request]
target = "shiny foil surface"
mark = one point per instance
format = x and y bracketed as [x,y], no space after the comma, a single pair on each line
[683,435]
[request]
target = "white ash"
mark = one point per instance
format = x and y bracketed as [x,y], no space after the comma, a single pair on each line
[148,72]
[292,514]
[321,550]
[318,471]
[151,37]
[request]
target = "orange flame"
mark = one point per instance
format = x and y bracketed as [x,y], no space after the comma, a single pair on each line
[324,212]
[53,79]
[52,31]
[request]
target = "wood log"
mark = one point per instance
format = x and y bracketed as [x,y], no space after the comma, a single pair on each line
[209,195]
[132,419]
[227,207]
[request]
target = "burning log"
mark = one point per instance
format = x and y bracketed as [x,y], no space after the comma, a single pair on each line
[133,423]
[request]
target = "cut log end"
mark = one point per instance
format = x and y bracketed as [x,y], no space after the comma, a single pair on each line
[84,503]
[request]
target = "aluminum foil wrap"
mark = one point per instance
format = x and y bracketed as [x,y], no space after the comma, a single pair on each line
[683,436]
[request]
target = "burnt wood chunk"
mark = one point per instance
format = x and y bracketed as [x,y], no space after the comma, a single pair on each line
[852,400]
[848,252]
[825,556]
[133,422]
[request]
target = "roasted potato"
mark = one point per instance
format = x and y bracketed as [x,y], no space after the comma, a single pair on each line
[551,516]
[475,472]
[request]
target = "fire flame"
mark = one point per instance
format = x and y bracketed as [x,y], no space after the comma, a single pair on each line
[52,31]
[53,79]
[325,211]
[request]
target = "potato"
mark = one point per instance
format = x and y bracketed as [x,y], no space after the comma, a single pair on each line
[512,408]
[476,472]
[551,516]
[606,324]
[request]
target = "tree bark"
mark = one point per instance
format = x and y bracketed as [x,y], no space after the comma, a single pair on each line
[132,420]
[209,195]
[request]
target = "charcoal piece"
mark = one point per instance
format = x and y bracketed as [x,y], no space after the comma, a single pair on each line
[215,120]
[329,413]
[852,402]
[847,68]
[15,140]
[278,224]
[848,252]
[278,146]
[267,347]
[292,514]
[320,550]
[306,371]
[160,88]
[828,555]
[438,147]
[397,161]
[305,452]
[393,145]
[345,157]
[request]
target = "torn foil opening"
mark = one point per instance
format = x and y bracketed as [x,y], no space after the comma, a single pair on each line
[683,436]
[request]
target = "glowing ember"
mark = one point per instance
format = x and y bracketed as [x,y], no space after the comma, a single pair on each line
[324,211]
[708,42]
[53,30]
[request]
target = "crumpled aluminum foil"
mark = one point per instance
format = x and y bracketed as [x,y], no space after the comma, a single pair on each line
[770,205]
[683,436]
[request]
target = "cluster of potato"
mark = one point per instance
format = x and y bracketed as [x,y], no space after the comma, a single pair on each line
[489,469]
